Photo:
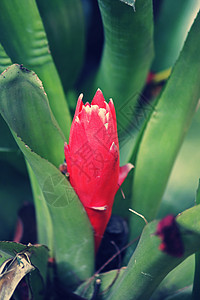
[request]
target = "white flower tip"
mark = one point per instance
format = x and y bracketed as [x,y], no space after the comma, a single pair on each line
[87,108]
[99,208]
[111,100]
[77,120]
[129,166]
[113,147]
[81,96]
[106,126]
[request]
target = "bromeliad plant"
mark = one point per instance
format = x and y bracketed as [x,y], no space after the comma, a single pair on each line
[147,131]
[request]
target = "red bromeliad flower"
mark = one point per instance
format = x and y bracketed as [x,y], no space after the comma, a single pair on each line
[92,158]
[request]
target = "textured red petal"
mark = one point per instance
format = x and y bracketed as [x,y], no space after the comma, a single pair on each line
[85,115]
[99,221]
[77,111]
[99,99]
[77,138]
[66,150]
[78,106]
[124,170]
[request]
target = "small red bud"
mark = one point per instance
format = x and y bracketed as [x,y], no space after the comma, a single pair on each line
[168,231]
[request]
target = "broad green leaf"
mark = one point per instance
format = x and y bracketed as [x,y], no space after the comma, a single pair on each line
[65,27]
[165,132]
[148,265]
[196,287]
[5,61]
[170,31]
[23,91]
[72,234]
[107,279]
[43,218]
[36,286]
[7,143]
[128,152]
[127,55]
[8,249]
[25,104]
[8,149]
[198,194]
[185,173]
[177,279]
[24,40]
[39,259]
[184,294]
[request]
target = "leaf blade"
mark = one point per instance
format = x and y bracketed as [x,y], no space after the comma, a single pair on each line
[149,265]
[66,38]
[72,233]
[25,43]
[165,132]
[127,55]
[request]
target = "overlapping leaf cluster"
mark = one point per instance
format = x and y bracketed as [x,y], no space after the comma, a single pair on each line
[49,39]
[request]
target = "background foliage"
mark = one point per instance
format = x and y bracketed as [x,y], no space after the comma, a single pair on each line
[141,54]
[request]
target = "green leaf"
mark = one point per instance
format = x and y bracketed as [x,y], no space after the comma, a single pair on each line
[184,294]
[198,194]
[177,279]
[25,107]
[171,28]
[5,61]
[185,173]
[25,43]
[107,279]
[43,218]
[65,27]
[165,132]
[127,55]
[36,286]
[8,147]
[25,104]
[72,233]
[9,151]
[196,288]
[7,143]
[148,265]
[128,153]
